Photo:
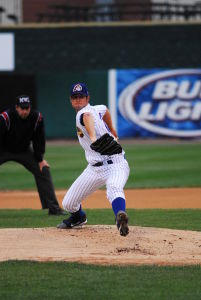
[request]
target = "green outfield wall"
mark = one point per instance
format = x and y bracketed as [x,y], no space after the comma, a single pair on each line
[56,56]
[68,48]
[53,98]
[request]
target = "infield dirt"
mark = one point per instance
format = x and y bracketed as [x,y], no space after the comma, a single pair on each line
[135,198]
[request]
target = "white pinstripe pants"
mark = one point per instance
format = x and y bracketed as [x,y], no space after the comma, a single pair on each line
[114,176]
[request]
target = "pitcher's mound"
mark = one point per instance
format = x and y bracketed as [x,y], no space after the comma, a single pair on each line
[102,245]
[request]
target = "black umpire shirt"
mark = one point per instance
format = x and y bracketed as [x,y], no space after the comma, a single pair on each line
[17,134]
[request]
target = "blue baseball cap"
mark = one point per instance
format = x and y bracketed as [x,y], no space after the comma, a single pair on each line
[79,88]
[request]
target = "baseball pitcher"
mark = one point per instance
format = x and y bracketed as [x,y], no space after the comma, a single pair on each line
[106,162]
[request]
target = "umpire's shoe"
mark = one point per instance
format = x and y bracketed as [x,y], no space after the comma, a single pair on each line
[56,212]
[73,221]
[122,223]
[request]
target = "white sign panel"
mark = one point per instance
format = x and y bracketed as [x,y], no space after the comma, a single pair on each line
[7,52]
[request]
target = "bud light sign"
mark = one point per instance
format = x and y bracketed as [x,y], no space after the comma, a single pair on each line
[158,102]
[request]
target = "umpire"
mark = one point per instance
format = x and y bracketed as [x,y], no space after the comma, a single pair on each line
[19,128]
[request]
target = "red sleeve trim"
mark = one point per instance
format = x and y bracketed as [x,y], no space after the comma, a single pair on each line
[6,118]
[39,119]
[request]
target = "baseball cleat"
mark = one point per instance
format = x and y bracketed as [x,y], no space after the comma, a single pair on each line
[72,222]
[122,223]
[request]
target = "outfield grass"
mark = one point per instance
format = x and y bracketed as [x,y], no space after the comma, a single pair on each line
[39,281]
[151,166]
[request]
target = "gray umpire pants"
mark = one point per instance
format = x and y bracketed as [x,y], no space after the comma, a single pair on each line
[43,179]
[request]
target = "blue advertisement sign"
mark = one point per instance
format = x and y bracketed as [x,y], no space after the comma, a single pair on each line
[156,102]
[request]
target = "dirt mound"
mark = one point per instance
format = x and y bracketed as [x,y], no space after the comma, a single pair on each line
[102,245]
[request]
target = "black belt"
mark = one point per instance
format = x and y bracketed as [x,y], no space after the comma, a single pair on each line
[100,163]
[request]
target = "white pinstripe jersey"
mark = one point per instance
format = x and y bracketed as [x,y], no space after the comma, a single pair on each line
[101,128]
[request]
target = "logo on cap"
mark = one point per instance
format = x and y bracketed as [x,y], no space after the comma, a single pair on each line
[77,88]
[24,100]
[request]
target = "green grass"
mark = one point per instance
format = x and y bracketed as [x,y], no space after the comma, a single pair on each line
[151,166]
[185,219]
[41,281]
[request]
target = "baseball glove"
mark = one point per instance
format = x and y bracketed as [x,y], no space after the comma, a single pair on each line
[106,145]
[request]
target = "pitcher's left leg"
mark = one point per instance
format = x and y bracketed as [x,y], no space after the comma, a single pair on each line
[84,185]
[88,182]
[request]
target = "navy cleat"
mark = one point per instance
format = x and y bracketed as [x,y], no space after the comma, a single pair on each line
[74,220]
[122,223]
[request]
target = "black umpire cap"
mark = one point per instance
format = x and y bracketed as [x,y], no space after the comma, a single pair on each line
[23,101]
